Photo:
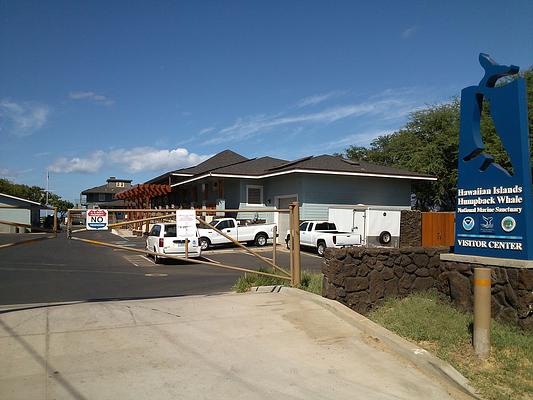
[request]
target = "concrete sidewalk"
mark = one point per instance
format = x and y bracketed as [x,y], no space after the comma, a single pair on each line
[286,345]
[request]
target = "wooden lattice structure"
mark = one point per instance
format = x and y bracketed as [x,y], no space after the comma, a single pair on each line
[140,196]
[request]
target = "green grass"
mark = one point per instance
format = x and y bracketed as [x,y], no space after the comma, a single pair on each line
[429,320]
[311,282]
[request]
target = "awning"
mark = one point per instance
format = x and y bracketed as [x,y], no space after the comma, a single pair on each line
[144,191]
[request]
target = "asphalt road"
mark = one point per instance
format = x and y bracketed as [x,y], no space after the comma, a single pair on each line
[59,270]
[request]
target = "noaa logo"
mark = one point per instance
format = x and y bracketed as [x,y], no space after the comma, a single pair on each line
[468,223]
[508,224]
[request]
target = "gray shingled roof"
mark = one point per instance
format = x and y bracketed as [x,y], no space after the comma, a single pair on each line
[104,189]
[228,162]
[256,166]
[269,165]
[222,159]
[327,162]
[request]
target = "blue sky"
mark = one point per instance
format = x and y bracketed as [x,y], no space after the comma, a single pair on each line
[133,89]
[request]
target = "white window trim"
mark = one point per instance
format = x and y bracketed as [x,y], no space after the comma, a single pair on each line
[261,200]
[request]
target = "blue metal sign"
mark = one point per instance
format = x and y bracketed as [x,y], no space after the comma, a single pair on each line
[494,215]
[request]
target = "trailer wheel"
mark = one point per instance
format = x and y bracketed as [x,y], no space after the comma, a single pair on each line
[321,248]
[385,237]
[261,239]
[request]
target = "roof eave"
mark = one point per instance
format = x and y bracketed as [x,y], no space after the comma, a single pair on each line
[311,171]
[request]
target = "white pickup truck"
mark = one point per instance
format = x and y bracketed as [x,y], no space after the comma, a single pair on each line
[163,239]
[323,234]
[254,233]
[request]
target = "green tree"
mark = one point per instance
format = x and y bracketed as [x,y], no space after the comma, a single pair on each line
[62,205]
[428,144]
[34,193]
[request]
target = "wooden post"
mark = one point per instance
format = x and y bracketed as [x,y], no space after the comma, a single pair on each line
[482,304]
[55,219]
[186,248]
[147,229]
[69,225]
[274,243]
[295,244]
[291,244]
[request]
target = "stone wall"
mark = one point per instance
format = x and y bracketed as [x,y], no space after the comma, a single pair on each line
[410,228]
[362,277]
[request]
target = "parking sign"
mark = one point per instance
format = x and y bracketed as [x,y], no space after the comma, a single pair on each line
[97,220]
[186,223]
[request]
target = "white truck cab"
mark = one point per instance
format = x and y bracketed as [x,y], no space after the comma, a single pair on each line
[259,234]
[323,234]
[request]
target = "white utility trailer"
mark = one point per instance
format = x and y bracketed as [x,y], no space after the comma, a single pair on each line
[377,225]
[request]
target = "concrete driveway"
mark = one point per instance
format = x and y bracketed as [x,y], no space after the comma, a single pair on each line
[281,345]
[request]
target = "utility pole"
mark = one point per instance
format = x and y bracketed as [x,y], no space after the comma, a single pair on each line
[47,187]
[47,190]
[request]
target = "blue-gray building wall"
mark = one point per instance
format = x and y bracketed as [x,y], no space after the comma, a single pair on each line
[319,192]
[27,214]
[316,193]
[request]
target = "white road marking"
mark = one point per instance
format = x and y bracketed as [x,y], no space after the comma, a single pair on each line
[148,258]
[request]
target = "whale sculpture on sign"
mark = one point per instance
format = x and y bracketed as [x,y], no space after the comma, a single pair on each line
[495,96]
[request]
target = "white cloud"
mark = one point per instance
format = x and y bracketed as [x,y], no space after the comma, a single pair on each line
[92,96]
[357,139]
[88,165]
[132,160]
[407,33]
[24,118]
[9,173]
[206,130]
[247,127]
[318,98]
[149,159]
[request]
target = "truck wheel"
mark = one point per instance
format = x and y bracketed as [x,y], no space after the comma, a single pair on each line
[288,242]
[385,237]
[321,248]
[261,239]
[204,243]
[157,259]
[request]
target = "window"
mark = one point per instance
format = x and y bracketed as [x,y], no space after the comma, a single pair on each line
[227,224]
[325,226]
[120,184]
[156,229]
[170,230]
[254,194]
[303,226]
[101,196]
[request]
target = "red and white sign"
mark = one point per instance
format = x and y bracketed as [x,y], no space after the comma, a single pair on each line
[97,220]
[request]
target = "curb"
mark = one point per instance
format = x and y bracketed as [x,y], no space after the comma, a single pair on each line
[424,361]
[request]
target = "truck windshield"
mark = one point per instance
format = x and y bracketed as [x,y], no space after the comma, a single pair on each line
[325,226]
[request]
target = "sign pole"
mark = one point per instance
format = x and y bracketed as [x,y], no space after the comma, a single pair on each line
[482,304]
